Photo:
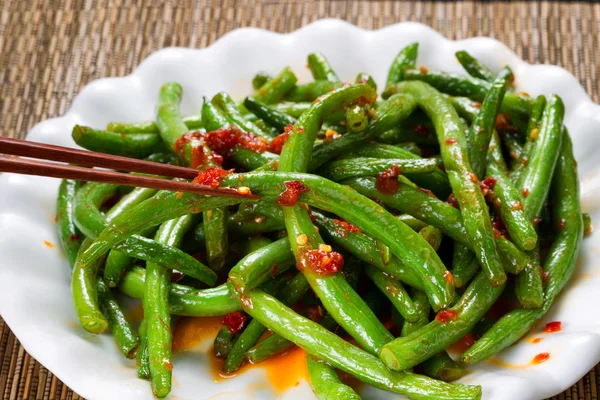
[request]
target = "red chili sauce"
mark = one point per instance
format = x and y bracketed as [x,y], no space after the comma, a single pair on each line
[234,321]
[289,196]
[323,262]
[346,227]
[387,181]
[211,177]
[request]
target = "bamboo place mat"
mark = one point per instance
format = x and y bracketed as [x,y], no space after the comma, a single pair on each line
[50,49]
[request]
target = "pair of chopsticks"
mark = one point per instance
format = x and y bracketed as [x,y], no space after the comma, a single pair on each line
[24,148]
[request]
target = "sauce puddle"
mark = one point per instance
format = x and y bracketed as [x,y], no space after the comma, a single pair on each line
[283,371]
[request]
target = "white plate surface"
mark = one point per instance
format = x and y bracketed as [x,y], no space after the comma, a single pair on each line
[35,297]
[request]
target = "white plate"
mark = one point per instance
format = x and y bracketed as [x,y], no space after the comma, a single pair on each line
[35,297]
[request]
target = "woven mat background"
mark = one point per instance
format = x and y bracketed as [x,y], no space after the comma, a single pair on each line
[50,49]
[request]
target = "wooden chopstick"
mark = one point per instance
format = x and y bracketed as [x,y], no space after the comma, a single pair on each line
[31,167]
[25,148]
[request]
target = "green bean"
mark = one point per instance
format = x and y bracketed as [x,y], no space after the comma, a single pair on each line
[216,236]
[533,129]
[465,107]
[436,181]
[260,79]
[474,67]
[340,354]
[528,287]
[367,166]
[473,88]
[143,363]
[194,153]
[227,106]
[356,119]
[421,304]
[515,150]
[495,152]
[442,367]
[462,180]
[224,342]
[508,203]
[169,122]
[85,295]
[256,266]
[274,90]
[559,265]
[84,280]
[184,300]
[480,132]
[311,91]
[270,115]
[193,122]
[406,352]
[536,175]
[513,261]
[156,308]
[320,68]
[91,223]
[68,234]
[464,264]
[395,292]
[432,235]
[325,382]
[120,328]
[386,116]
[363,77]
[135,145]
[406,59]
[364,248]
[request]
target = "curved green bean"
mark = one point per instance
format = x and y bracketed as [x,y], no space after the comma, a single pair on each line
[325,382]
[356,119]
[184,300]
[367,166]
[120,328]
[320,68]
[406,59]
[68,234]
[134,145]
[454,150]
[270,115]
[474,67]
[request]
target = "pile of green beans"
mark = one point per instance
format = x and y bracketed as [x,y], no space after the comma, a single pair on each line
[368,198]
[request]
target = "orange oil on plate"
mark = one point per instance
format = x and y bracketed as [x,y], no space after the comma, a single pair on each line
[283,371]
[48,244]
